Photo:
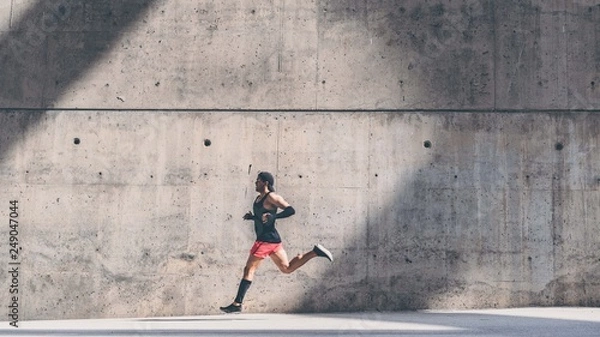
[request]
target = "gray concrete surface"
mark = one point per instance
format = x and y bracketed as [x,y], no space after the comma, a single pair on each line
[333,54]
[141,218]
[530,322]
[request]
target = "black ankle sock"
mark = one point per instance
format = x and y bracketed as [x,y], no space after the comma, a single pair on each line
[244,285]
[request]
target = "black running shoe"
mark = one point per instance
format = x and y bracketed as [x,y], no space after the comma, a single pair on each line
[323,252]
[232,308]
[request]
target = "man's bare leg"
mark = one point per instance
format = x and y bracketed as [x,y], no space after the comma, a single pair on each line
[251,265]
[281,260]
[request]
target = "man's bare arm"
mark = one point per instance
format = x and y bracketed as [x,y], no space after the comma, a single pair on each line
[278,201]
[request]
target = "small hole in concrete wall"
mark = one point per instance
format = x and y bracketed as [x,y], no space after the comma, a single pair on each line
[427,144]
[559,146]
[76,141]
[207,142]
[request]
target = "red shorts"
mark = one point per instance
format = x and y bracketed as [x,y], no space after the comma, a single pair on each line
[263,249]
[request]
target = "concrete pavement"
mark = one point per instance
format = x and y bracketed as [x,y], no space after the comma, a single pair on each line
[446,152]
[529,322]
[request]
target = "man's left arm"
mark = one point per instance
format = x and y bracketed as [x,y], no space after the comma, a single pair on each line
[287,209]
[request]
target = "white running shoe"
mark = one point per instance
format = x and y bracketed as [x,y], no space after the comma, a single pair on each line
[323,252]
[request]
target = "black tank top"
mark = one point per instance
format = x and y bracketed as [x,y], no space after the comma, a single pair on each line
[265,232]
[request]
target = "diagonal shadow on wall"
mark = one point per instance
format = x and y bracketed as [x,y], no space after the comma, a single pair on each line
[50,45]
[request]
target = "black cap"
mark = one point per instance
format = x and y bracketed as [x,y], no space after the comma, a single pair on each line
[267,177]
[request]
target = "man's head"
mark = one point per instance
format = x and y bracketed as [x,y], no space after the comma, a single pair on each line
[265,178]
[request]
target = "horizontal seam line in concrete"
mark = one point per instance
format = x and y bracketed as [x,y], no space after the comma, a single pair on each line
[4,110]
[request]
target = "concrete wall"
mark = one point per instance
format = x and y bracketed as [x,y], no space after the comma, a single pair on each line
[141,218]
[350,54]
[338,99]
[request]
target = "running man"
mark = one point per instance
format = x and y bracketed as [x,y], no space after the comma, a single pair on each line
[268,242]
